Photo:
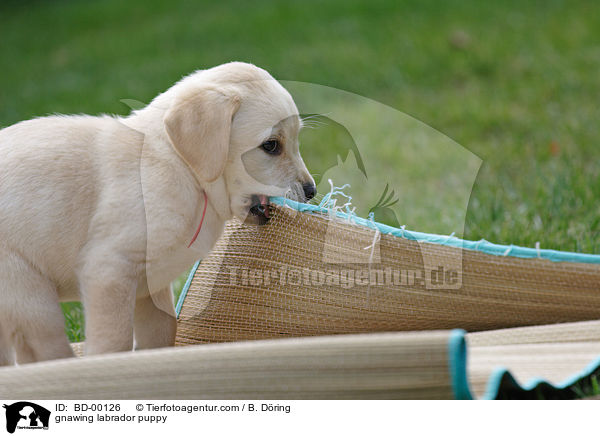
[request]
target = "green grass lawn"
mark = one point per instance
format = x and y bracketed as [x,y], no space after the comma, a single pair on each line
[514,82]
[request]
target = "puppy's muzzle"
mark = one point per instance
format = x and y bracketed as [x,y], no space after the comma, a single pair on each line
[259,211]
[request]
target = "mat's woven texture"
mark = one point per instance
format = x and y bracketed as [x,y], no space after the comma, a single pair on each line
[230,300]
[382,366]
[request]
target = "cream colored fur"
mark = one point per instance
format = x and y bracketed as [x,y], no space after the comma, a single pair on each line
[102,209]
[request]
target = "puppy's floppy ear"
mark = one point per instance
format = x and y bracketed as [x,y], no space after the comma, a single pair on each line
[198,124]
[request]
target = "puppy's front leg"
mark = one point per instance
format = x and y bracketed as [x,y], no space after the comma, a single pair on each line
[109,301]
[155,321]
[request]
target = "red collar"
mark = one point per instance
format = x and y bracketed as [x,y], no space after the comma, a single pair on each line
[201,221]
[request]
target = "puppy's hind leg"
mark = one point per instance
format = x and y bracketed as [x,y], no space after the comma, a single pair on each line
[32,311]
[43,337]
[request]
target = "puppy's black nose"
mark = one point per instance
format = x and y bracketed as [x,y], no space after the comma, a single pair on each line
[309,190]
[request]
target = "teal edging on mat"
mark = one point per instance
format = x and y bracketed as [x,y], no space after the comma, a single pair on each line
[185,289]
[503,385]
[457,365]
[451,241]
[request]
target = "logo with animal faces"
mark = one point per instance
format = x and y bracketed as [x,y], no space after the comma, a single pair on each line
[24,415]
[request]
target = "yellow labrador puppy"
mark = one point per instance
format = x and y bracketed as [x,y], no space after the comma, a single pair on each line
[109,210]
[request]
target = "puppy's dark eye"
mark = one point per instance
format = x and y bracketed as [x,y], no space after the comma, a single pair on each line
[272,146]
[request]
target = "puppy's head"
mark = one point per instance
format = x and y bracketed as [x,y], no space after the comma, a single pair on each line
[235,121]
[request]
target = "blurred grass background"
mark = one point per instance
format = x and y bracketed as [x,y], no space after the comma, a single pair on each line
[515,82]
